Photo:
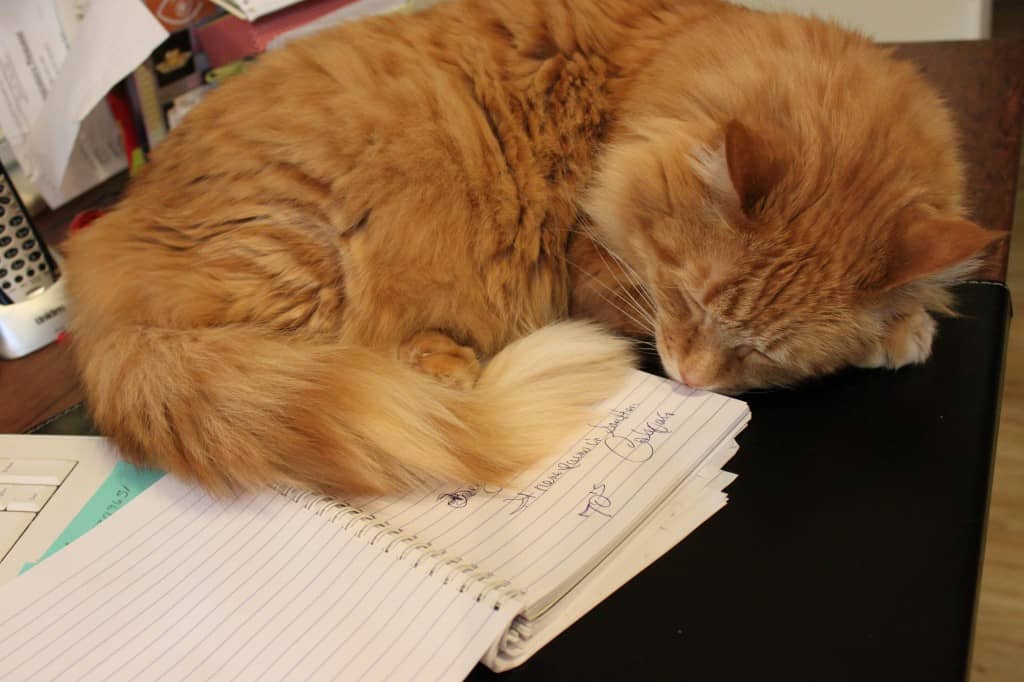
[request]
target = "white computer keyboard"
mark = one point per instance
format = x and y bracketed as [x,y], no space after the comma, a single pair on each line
[45,481]
[26,485]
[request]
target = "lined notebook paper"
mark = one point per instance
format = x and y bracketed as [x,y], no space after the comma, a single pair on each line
[557,520]
[183,586]
[289,585]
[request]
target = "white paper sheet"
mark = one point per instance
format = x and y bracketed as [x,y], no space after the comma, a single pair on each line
[52,88]
[181,586]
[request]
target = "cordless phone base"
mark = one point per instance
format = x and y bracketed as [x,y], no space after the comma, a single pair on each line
[36,322]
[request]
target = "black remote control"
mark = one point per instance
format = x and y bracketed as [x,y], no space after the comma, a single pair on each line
[26,266]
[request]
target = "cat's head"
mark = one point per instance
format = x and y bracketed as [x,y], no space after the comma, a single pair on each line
[770,256]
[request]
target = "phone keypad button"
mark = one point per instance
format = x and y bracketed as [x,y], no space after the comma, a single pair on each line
[10,253]
[18,264]
[34,256]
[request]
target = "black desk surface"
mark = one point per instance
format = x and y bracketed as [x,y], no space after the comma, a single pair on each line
[851,545]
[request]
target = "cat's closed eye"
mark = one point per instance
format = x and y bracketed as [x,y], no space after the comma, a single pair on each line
[749,353]
[693,306]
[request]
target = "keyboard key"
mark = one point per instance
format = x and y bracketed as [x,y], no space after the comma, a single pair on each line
[12,525]
[35,471]
[26,498]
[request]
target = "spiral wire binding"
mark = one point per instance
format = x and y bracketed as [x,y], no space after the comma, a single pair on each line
[436,561]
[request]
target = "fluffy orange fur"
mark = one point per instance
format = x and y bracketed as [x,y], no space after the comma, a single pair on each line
[351,268]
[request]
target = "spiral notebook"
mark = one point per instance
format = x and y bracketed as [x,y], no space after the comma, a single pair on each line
[286,585]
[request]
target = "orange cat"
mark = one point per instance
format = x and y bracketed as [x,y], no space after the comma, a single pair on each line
[303,285]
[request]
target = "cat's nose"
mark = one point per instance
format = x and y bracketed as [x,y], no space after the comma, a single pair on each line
[692,377]
[699,369]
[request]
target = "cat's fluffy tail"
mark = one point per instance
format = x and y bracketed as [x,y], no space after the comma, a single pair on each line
[236,408]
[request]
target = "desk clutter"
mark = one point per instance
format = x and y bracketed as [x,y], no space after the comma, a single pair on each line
[211,46]
[285,584]
[91,88]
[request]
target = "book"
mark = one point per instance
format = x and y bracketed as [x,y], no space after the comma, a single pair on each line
[143,94]
[129,126]
[174,69]
[289,584]
[250,10]
[229,38]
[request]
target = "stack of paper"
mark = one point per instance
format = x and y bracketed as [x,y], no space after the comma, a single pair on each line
[289,584]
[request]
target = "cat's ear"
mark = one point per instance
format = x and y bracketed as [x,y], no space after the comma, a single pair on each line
[933,246]
[753,168]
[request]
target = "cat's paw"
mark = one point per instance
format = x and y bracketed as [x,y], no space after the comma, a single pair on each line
[436,355]
[908,341]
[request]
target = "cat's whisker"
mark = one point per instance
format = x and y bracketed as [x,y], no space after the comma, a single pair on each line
[632,275]
[643,306]
[627,269]
[623,295]
[639,317]
[640,322]
[645,311]
[645,342]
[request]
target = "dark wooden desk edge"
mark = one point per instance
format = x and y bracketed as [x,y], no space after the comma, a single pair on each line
[968,73]
[990,128]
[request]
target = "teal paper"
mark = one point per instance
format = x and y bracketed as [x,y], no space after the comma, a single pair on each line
[124,483]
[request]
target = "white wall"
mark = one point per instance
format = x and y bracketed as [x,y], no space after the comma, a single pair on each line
[897,20]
